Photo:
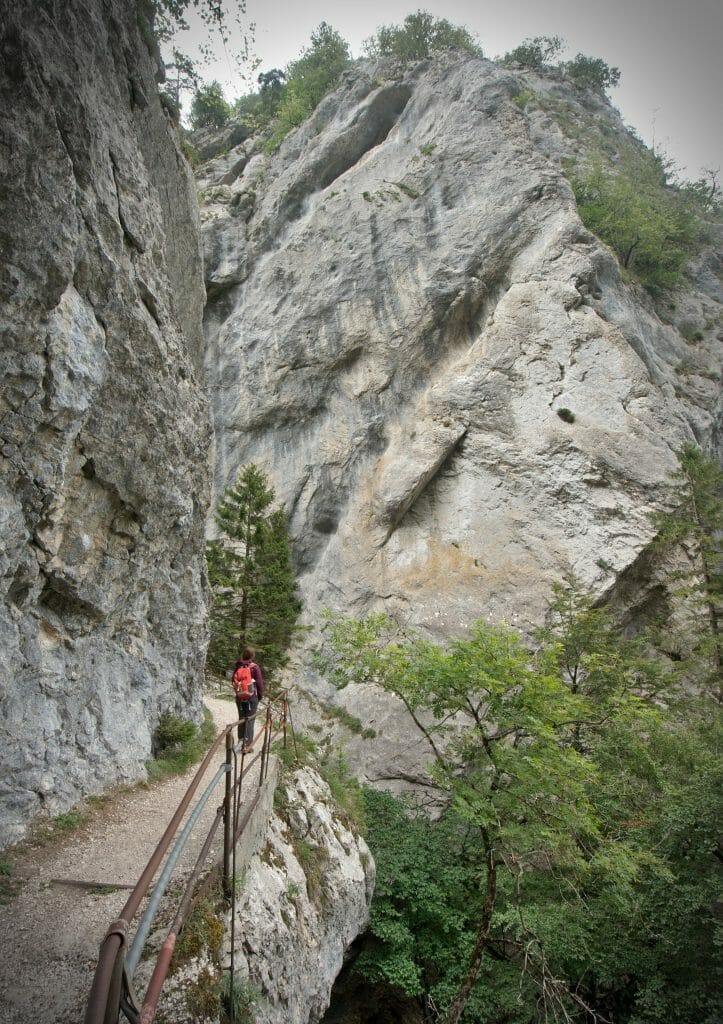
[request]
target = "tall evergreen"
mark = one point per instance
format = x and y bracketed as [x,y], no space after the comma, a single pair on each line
[255,598]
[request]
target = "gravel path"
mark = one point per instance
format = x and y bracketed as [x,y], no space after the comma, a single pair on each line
[50,932]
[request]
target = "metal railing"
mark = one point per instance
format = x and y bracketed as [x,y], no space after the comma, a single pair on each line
[112,991]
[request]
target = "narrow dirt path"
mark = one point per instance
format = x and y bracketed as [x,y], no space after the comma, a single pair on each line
[50,931]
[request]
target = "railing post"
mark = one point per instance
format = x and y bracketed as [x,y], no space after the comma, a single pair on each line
[228,816]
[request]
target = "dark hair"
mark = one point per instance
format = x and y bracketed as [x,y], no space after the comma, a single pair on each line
[248,654]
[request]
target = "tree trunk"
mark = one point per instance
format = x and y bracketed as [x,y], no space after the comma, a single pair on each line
[456,1007]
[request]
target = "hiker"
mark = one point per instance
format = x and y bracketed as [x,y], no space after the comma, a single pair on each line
[248,684]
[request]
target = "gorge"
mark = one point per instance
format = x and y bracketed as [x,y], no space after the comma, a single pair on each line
[457,391]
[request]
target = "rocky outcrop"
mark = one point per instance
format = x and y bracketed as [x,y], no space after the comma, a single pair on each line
[403,298]
[453,388]
[103,427]
[305,899]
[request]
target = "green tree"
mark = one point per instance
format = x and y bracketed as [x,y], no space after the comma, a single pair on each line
[418,36]
[696,519]
[651,225]
[583,818]
[209,109]
[591,73]
[503,754]
[255,598]
[537,52]
[310,78]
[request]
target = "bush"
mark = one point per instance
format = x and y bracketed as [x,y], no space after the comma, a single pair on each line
[537,52]
[651,225]
[418,36]
[566,415]
[178,744]
[591,73]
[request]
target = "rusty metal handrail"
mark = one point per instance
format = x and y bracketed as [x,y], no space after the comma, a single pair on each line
[111,990]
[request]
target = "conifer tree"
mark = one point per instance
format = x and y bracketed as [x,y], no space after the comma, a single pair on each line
[255,599]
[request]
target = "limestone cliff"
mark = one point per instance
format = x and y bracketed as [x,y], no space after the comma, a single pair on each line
[401,298]
[103,426]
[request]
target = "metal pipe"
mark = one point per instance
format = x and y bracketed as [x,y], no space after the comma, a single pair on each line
[160,971]
[144,926]
[227,822]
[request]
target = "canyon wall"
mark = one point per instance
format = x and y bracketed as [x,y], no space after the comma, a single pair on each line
[402,298]
[103,425]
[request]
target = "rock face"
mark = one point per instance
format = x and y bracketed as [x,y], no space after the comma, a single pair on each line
[305,899]
[401,300]
[103,426]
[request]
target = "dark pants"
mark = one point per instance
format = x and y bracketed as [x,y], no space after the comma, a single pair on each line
[247,709]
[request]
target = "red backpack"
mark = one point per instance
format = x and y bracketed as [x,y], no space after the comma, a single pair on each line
[244,683]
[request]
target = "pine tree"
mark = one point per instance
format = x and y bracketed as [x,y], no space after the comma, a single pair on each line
[255,599]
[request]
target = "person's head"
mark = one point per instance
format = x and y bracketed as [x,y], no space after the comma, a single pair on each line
[248,654]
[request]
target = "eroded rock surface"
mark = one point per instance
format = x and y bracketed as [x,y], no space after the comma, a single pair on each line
[402,299]
[103,427]
[305,899]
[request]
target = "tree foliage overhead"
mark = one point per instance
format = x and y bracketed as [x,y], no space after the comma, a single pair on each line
[576,862]
[255,599]
[418,36]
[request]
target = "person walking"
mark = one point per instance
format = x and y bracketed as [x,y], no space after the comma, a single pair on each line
[248,684]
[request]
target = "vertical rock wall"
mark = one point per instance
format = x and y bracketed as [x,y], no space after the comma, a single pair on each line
[103,426]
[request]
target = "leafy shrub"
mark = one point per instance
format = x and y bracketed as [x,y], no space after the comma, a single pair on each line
[537,52]
[651,225]
[178,744]
[566,415]
[418,36]
[521,99]
[591,73]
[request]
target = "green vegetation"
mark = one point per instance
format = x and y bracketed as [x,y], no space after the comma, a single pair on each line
[351,722]
[255,599]
[201,934]
[313,861]
[238,1006]
[695,521]
[309,79]
[535,53]
[521,99]
[209,109]
[567,415]
[179,744]
[652,226]
[418,36]
[591,73]
[573,873]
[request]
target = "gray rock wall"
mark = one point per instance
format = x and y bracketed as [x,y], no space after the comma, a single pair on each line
[401,300]
[103,427]
[298,913]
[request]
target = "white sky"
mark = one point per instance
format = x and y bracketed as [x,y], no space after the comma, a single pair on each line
[670,52]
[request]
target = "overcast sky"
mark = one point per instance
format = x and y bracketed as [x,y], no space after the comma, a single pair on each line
[670,52]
